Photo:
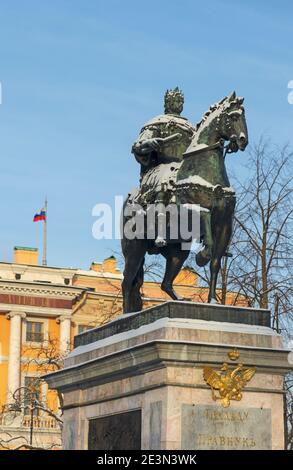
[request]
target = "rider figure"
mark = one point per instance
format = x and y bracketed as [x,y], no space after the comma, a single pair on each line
[162,140]
[150,149]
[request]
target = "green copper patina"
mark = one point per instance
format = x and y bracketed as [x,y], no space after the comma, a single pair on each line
[185,165]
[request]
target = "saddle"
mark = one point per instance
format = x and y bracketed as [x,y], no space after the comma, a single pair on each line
[160,184]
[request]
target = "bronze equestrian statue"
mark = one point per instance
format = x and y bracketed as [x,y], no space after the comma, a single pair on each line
[184,166]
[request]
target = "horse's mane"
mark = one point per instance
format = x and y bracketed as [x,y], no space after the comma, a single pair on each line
[225,104]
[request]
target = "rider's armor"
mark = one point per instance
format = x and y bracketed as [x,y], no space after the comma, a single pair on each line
[164,126]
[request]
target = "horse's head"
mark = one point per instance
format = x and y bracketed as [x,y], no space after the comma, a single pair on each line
[232,123]
[224,120]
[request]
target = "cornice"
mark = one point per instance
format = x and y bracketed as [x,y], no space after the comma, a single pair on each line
[159,354]
[7,287]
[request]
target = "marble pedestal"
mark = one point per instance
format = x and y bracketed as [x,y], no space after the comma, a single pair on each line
[137,382]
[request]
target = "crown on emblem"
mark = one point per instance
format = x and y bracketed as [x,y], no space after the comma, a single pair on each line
[234,354]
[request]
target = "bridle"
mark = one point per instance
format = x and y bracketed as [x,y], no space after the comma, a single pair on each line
[231,146]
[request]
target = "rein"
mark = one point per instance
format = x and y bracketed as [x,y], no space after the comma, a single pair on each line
[229,148]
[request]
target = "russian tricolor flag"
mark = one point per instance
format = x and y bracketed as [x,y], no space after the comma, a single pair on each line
[40,215]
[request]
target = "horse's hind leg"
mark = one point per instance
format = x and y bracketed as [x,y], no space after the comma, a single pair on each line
[175,258]
[135,296]
[133,252]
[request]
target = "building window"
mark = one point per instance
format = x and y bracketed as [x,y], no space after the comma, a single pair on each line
[82,328]
[66,281]
[34,331]
[17,276]
[32,392]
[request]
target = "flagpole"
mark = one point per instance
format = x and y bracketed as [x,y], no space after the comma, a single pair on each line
[45,236]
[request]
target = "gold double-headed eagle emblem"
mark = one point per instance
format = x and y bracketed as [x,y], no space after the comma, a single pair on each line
[227,383]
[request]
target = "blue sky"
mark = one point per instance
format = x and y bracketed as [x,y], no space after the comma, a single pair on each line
[79,79]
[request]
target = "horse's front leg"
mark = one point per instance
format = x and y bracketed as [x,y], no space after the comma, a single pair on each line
[222,230]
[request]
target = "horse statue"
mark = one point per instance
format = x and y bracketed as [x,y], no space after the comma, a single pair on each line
[199,179]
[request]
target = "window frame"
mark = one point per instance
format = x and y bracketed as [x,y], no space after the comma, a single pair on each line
[45,330]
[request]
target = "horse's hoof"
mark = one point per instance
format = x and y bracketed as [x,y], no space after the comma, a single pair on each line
[170,292]
[203,257]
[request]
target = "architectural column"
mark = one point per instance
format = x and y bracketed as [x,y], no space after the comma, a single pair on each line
[65,333]
[14,351]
